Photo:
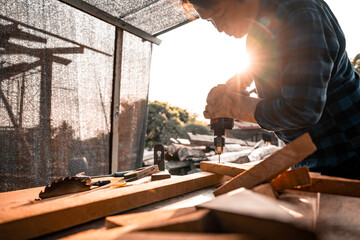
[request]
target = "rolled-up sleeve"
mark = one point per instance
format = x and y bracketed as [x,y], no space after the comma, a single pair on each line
[305,66]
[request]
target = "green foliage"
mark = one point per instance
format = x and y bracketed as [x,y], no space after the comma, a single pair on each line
[170,129]
[165,122]
[194,128]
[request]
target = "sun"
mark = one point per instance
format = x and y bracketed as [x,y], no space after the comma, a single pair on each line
[244,62]
[233,59]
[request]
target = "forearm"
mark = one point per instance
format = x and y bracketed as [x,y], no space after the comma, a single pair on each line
[286,114]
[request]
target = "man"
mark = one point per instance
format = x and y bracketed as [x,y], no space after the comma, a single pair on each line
[304,79]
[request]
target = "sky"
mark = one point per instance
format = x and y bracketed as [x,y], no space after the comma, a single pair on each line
[196,57]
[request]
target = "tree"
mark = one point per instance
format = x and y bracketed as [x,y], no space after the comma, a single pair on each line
[165,122]
[194,128]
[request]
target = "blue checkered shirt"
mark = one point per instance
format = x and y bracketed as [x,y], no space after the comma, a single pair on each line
[307,83]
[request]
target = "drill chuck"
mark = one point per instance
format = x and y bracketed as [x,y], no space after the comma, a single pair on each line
[219,143]
[219,125]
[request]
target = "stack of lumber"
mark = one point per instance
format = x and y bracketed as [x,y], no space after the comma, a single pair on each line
[258,200]
[273,172]
[242,213]
[183,156]
[261,201]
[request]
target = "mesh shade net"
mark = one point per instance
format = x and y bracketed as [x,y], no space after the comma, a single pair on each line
[151,16]
[56,90]
[56,80]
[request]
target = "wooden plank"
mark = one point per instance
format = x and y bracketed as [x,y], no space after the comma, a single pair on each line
[119,234]
[266,189]
[198,221]
[160,176]
[271,167]
[250,213]
[19,197]
[102,233]
[286,180]
[116,100]
[146,217]
[44,217]
[290,179]
[182,201]
[229,169]
[182,236]
[332,185]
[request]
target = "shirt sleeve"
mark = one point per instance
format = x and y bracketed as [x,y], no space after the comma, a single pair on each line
[305,67]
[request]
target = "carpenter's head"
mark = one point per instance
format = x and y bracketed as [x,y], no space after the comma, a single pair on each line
[230,16]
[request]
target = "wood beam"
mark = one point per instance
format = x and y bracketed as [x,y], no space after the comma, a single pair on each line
[332,185]
[119,39]
[39,218]
[244,211]
[290,179]
[228,169]
[196,222]
[272,166]
[145,217]
[182,236]
[120,234]
[286,180]
[266,189]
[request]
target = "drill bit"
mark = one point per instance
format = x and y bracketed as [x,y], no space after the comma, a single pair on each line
[219,125]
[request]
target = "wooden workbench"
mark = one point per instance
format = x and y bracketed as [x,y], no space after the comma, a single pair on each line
[338,216]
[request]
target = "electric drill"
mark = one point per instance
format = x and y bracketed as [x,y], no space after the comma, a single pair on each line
[219,125]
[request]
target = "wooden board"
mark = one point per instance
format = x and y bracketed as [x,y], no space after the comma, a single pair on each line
[182,236]
[44,217]
[19,197]
[333,185]
[266,189]
[146,217]
[160,176]
[119,234]
[293,178]
[271,167]
[286,180]
[198,221]
[228,169]
[247,212]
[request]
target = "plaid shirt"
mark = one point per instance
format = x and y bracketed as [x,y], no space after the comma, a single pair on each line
[307,83]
